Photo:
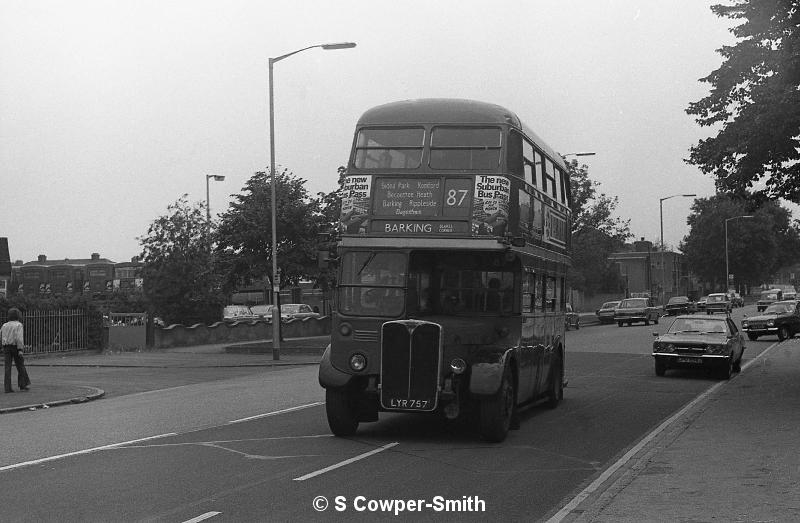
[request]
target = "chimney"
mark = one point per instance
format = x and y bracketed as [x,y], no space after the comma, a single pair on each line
[42,258]
[95,256]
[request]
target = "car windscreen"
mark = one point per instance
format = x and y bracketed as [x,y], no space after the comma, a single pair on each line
[702,325]
[633,304]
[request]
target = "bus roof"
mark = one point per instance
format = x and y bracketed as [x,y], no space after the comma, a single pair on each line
[451,111]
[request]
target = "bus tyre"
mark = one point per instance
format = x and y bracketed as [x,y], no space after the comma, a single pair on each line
[341,413]
[555,391]
[496,411]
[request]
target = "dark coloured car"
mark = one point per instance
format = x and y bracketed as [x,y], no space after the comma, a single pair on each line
[634,310]
[714,343]
[679,305]
[606,312]
[571,319]
[781,318]
[718,302]
[767,298]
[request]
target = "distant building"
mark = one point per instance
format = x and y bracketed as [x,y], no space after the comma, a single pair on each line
[661,274]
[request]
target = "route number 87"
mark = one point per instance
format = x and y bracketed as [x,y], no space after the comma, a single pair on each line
[456,197]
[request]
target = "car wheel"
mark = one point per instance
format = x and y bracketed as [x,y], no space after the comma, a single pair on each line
[496,411]
[655,320]
[752,337]
[630,323]
[737,365]
[726,369]
[341,412]
[661,367]
[646,322]
[619,324]
[577,324]
[783,333]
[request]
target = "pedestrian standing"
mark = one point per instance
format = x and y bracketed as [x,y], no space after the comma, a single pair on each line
[12,339]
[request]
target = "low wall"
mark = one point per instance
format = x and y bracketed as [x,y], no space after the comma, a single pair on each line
[222,332]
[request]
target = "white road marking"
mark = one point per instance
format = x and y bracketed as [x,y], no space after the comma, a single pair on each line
[202,517]
[594,485]
[80,452]
[346,462]
[275,413]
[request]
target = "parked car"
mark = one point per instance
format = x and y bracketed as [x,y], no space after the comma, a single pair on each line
[767,298]
[718,302]
[237,313]
[679,305]
[606,312]
[632,310]
[700,341]
[781,318]
[298,311]
[571,319]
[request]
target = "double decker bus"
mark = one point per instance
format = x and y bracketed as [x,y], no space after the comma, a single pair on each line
[451,264]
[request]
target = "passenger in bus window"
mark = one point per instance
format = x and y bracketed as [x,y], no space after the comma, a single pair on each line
[451,303]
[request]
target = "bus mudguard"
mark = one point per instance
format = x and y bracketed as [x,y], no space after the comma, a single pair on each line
[487,372]
[330,376]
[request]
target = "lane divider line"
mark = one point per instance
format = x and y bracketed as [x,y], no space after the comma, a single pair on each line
[202,517]
[85,451]
[346,462]
[602,478]
[275,413]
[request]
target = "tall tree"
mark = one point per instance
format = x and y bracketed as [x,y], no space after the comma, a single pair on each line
[757,247]
[755,102]
[591,209]
[244,235]
[596,233]
[179,278]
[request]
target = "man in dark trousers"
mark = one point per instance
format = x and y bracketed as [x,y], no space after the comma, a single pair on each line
[13,342]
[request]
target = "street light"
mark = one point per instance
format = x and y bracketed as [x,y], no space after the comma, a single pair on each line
[727,269]
[661,219]
[217,178]
[276,288]
[577,154]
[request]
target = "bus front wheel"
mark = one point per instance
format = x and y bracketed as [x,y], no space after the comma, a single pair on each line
[496,412]
[339,406]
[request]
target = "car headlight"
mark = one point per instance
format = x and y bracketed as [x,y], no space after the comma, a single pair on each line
[771,323]
[358,362]
[663,347]
[715,349]
[744,324]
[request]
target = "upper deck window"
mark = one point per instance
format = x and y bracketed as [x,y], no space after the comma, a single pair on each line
[466,147]
[396,148]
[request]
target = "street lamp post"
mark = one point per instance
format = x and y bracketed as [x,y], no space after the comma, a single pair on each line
[727,268]
[217,178]
[661,220]
[276,288]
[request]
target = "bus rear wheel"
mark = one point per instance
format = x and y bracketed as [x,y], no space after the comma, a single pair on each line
[556,389]
[339,407]
[496,411]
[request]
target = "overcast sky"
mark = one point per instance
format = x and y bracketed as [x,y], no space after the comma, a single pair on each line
[111,110]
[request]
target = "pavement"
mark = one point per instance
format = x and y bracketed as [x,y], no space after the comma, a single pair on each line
[732,454]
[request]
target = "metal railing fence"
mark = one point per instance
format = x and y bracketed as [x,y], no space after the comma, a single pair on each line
[48,331]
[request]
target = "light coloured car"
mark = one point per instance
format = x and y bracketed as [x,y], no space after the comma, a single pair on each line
[237,313]
[298,311]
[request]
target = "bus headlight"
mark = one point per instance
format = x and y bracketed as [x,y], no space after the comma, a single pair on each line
[345,329]
[458,365]
[358,362]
